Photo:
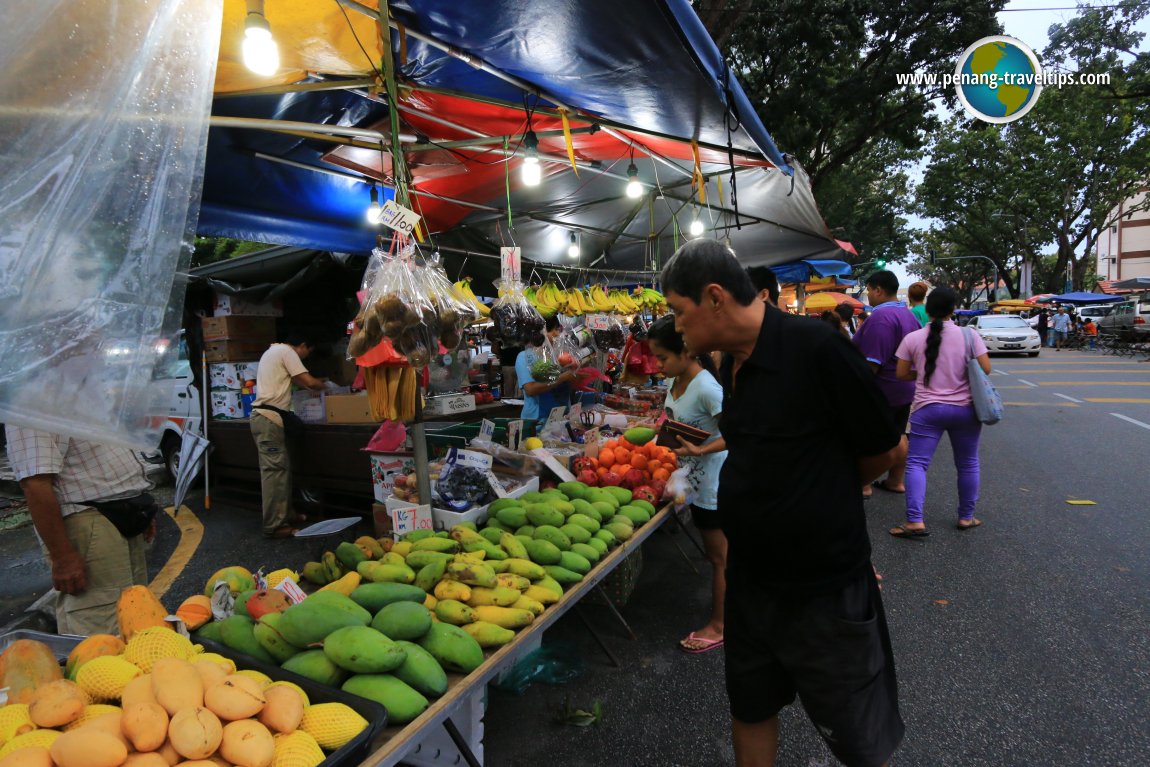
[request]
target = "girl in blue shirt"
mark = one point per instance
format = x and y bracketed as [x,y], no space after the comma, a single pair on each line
[696,398]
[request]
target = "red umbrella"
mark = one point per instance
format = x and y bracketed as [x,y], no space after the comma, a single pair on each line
[829,300]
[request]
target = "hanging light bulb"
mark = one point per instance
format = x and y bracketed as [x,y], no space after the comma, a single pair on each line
[573,248]
[696,227]
[531,170]
[373,210]
[634,188]
[261,54]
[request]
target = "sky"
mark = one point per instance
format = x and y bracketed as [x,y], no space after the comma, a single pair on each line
[1024,20]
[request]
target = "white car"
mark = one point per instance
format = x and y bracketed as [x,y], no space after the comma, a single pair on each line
[1007,333]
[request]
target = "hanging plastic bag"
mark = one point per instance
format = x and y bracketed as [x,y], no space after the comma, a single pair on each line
[453,314]
[516,321]
[556,663]
[397,307]
[545,368]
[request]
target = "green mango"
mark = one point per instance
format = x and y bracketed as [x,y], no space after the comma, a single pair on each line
[573,490]
[362,650]
[512,516]
[621,495]
[513,546]
[210,631]
[540,514]
[503,503]
[645,505]
[587,551]
[606,536]
[316,666]
[587,523]
[237,632]
[430,575]
[373,597]
[453,647]
[576,563]
[604,510]
[418,535]
[267,634]
[492,534]
[349,555]
[241,606]
[377,572]
[563,575]
[639,435]
[421,670]
[635,514]
[598,544]
[562,505]
[554,535]
[542,552]
[575,533]
[310,621]
[621,531]
[417,560]
[401,701]
[402,620]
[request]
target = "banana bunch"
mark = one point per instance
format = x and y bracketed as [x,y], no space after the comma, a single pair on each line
[391,392]
[546,299]
[651,300]
[463,293]
[599,299]
[623,302]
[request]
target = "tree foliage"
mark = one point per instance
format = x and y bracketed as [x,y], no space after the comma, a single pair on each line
[822,73]
[1052,178]
[209,250]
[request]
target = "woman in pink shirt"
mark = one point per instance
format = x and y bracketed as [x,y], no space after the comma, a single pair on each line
[935,358]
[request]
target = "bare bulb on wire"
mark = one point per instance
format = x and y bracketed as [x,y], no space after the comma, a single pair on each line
[634,188]
[531,171]
[696,228]
[261,54]
[573,248]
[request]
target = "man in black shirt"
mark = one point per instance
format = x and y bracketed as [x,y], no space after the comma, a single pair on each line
[805,425]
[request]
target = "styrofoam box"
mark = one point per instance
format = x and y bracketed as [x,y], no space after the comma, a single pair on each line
[226,376]
[446,519]
[446,404]
[228,405]
[309,406]
[384,468]
[227,305]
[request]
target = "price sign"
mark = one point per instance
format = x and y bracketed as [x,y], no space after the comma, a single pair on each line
[294,593]
[514,430]
[591,442]
[395,216]
[598,322]
[470,458]
[496,485]
[410,518]
[509,259]
[486,431]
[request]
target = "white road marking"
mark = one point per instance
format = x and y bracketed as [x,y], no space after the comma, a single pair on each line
[1023,380]
[999,373]
[1068,398]
[1131,420]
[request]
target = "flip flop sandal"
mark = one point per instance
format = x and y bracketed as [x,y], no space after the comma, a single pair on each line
[902,531]
[708,644]
[882,486]
[973,524]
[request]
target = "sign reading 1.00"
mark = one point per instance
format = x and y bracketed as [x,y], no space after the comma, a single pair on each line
[399,218]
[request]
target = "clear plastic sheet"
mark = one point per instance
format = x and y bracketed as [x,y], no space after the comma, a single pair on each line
[104,108]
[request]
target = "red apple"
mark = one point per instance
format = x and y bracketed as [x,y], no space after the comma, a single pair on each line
[660,488]
[633,478]
[566,360]
[588,477]
[582,464]
[261,603]
[610,479]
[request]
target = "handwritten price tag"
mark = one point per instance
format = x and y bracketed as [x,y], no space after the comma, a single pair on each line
[411,518]
[395,216]
[597,322]
[510,263]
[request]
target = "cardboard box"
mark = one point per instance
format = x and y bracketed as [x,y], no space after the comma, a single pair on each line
[385,467]
[348,408]
[309,406]
[230,376]
[446,404]
[381,520]
[250,328]
[229,305]
[234,350]
[231,405]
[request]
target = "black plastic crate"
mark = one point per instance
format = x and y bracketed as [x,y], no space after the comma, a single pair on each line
[355,751]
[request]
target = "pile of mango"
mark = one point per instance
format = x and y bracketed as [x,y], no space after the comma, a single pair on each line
[157,700]
[404,613]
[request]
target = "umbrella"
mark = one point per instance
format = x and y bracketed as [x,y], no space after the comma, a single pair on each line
[192,451]
[822,301]
[1086,298]
[1041,298]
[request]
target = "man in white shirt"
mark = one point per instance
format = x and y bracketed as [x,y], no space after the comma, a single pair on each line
[92,561]
[280,366]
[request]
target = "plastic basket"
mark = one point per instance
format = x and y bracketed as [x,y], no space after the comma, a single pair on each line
[356,750]
[460,435]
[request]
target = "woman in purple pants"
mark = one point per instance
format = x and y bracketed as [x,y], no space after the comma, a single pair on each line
[935,358]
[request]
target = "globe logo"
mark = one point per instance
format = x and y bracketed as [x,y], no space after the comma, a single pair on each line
[998,79]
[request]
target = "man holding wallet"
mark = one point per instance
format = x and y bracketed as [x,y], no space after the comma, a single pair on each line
[95,553]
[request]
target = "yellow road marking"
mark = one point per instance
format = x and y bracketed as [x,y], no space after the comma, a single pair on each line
[1094,383]
[1041,404]
[1117,399]
[191,533]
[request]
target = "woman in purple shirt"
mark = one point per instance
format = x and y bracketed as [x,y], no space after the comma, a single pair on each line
[935,357]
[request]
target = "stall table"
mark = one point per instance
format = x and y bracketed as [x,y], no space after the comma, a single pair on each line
[396,744]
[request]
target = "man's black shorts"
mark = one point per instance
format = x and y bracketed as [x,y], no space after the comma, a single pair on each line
[833,650]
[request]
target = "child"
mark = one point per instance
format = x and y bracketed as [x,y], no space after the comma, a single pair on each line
[696,398]
[1090,330]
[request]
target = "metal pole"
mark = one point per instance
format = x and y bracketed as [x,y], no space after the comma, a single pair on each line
[204,414]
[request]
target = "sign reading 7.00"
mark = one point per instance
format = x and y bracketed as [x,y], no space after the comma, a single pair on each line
[399,218]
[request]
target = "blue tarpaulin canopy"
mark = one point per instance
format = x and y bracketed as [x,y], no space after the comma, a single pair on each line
[802,271]
[1085,298]
[639,82]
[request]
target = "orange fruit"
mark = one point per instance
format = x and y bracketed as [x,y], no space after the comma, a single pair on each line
[607,457]
[601,470]
[662,474]
[621,468]
[639,460]
[654,465]
[610,444]
[622,455]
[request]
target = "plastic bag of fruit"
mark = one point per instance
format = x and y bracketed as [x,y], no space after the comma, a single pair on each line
[608,332]
[461,484]
[453,314]
[516,321]
[397,307]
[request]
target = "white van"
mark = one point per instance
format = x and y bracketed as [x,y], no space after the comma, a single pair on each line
[1094,311]
[178,401]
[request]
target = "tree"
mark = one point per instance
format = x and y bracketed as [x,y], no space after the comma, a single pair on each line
[209,250]
[823,76]
[940,261]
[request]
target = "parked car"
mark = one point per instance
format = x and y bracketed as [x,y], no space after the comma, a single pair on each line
[1094,311]
[1127,319]
[1007,333]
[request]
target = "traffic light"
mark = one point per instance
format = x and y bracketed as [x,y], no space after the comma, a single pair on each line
[880,263]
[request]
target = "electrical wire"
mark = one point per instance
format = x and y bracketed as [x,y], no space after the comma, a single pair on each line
[370,60]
